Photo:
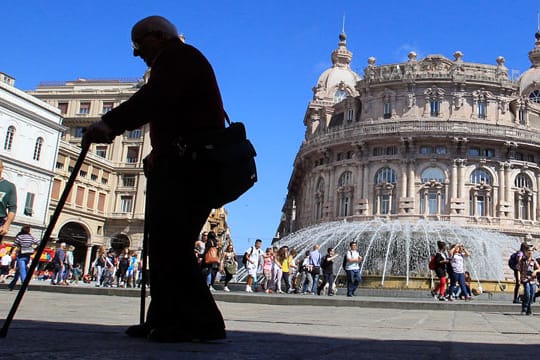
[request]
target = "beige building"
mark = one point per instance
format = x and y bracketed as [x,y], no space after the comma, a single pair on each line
[432,138]
[106,204]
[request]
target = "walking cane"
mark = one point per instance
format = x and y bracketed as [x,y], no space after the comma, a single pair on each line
[44,240]
[144,255]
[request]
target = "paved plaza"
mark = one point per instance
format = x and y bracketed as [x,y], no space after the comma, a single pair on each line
[88,323]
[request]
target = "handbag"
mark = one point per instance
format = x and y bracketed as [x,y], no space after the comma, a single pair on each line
[231,268]
[229,157]
[211,256]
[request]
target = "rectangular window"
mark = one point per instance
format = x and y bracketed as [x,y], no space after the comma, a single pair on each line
[84,108]
[434,107]
[426,150]
[107,106]
[101,151]
[432,203]
[385,204]
[79,197]
[29,204]
[105,178]
[91,199]
[135,134]
[126,203]
[481,108]
[522,114]
[128,180]
[387,110]
[101,202]
[441,150]
[350,115]
[391,150]
[488,153]
[55,195]
[79,132]
[132,156]
[63,106]
[474,152]
[339,156]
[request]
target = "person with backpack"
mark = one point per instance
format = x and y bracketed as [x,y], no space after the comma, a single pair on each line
[352,268]
[441,262]
[528,268]
[513,263]
[252,261]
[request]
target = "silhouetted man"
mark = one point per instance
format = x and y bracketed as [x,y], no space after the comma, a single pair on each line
[180,101]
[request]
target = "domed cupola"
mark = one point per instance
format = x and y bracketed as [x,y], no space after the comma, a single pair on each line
[339,81]
[529,82]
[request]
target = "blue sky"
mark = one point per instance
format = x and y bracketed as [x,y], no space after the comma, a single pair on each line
[267,57]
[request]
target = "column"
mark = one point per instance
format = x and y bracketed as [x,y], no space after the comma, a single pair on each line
[88,259]
[439,203]
[410,180]
[403,179]
[454,181]
[459,178]
[507,186]
[501,185]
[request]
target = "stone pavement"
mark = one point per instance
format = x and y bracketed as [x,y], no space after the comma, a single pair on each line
[81,322]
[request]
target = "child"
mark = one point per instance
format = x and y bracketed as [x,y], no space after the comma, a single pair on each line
[268,267]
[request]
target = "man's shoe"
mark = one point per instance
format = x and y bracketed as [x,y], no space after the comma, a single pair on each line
[138,331]
[175,334]
[516,301]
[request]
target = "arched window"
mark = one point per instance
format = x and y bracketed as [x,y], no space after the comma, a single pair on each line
[340,95]
[385,175]
[432,194]
[523,181]
[319,199]
[37,148]
[385,194]
[345,179]
[345,193]
[8,142]
[480,199]
[523,197]
[432,173]
[535,96]
[480,176]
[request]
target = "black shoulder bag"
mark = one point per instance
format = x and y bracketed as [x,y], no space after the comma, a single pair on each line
[230,158]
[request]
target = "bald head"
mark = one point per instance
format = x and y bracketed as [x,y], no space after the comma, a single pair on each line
[154,24]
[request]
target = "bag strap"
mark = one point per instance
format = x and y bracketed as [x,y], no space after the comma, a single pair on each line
[227,118]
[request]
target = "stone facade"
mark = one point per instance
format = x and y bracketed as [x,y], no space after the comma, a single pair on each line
[432,138]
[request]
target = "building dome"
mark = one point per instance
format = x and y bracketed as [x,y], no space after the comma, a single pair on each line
[529,82]
[338,81]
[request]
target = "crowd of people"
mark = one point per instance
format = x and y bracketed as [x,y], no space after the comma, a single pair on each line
[449,266]
[108,269]
[282,270]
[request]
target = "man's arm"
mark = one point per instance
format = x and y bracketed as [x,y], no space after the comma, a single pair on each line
[9,219]
[11,209]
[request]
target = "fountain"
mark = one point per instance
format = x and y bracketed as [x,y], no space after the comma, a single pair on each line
[401,250]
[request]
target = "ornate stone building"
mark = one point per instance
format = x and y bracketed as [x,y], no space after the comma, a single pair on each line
[432,138]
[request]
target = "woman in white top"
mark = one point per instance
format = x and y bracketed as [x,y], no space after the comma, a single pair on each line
[457,259]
